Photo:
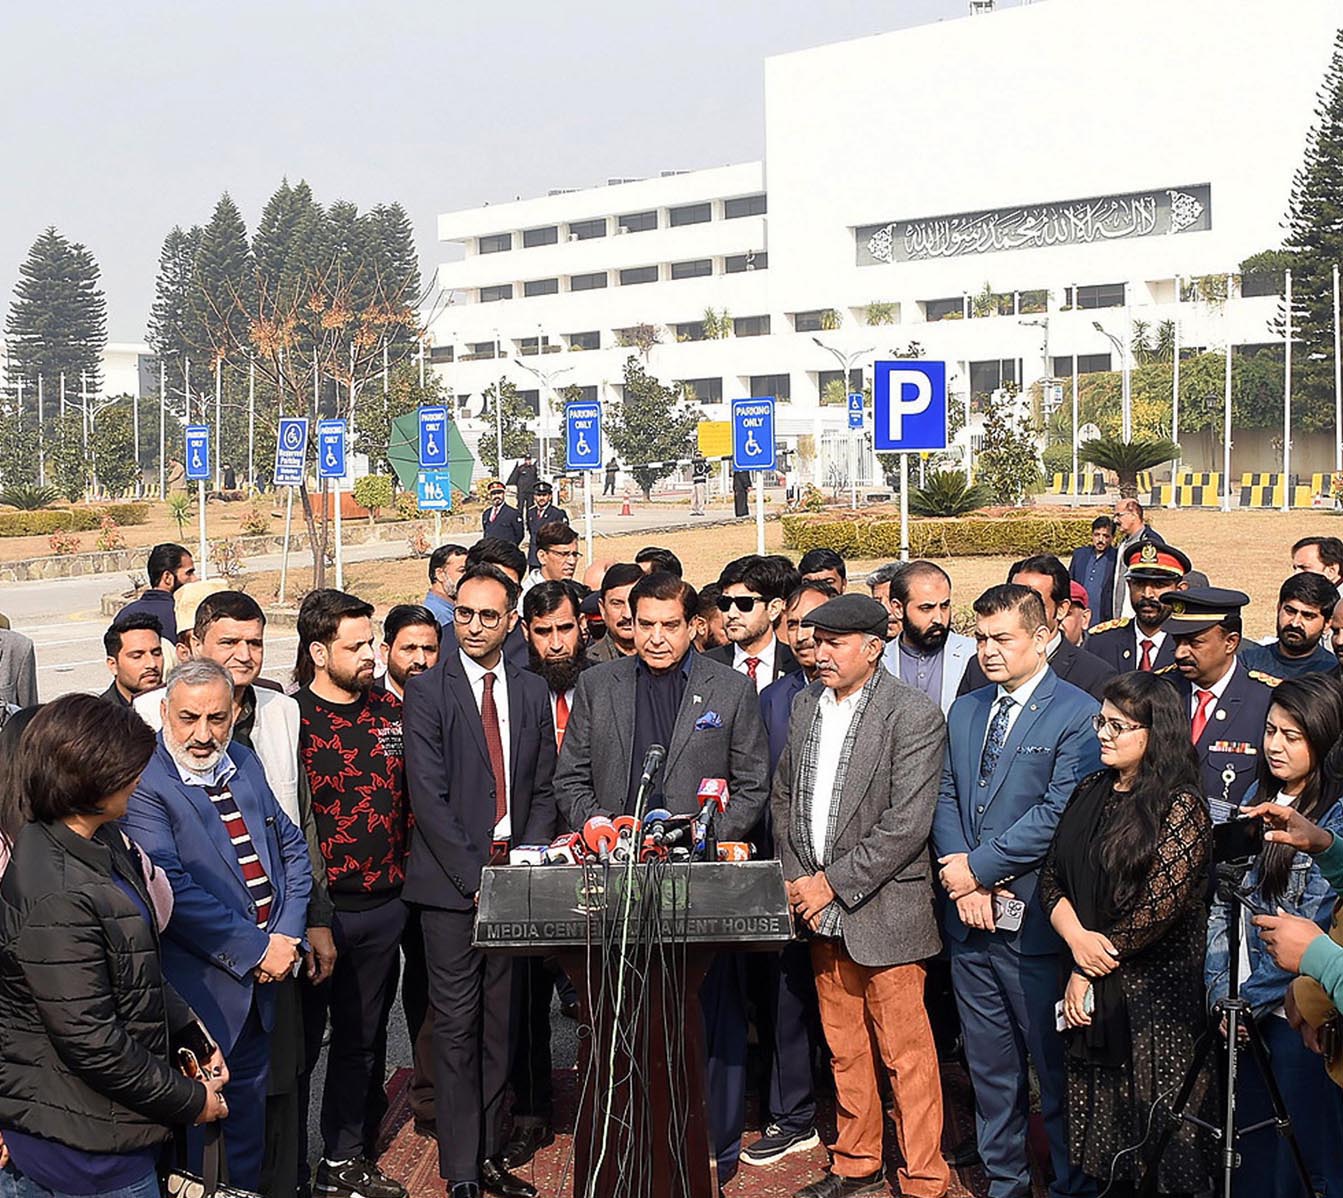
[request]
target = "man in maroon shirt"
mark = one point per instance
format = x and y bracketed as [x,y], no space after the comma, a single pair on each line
[350,750]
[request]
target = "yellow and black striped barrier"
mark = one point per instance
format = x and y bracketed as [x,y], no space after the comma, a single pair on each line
[1262,489]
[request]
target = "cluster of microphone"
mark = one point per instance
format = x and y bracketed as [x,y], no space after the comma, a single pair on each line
[659,836]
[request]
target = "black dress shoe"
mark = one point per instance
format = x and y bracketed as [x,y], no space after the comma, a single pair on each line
[964,1154]
[528,1138]
[495,1179]
[465,1189]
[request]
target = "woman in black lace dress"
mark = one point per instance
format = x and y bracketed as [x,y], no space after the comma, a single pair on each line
[1125,885]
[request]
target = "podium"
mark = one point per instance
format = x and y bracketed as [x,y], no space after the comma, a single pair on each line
[637,943]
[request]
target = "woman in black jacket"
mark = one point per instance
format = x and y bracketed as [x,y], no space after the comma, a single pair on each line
[88,1092]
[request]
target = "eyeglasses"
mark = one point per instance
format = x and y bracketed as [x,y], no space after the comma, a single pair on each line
[1115,728]
[741,602]
[464,616]
[571,555]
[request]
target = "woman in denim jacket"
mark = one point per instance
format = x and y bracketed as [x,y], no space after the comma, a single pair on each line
[1303,724]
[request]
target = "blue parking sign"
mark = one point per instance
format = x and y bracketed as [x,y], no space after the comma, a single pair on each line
[198,453]
[291,450]
[583,435]
[433,491]
[910,406]
[433,437]
[753,434]
[331,449]
[855,409]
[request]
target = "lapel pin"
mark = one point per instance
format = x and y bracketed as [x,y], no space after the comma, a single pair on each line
[696,699]
[1221,715]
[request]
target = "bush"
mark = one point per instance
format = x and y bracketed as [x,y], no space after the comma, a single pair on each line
[110,536]
[946,493]
[879,537]
[407,506]
[255,520]
[373,491]
[63,543]
[76,519]
[29,497]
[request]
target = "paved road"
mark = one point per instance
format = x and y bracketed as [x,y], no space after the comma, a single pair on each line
[66,624]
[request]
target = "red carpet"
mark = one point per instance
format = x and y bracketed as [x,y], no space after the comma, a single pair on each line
[413,1159]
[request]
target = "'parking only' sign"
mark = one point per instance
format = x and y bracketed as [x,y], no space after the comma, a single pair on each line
[753,434]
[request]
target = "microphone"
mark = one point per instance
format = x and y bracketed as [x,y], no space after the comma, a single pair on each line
[653,760]
[627,839]
[713,798]
[565,850]
[600,836]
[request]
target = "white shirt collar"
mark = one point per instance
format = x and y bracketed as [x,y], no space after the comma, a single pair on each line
[766,655]
[223,770]
[1218,688]
[1054,642]
[475,671]
[1158,638]
[1022,695]
[828,699]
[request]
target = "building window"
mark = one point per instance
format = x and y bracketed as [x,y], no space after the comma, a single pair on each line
[744,206]
[692,330]
[548,235]
[826,380]
[764,385]
[588,393]
[541,287]
[639,222]
[502,291]
[438,354]
[1261,282]
[478,351]
[591,340]
[532,399]
[690,214]
[1100,295]
[530,346]
[1086,364]
[585,230]
[811,322]
[750,326]
[702,390]
[952,308]
[735,264]
[692,270]
[1031,302]
[587,282]
[988,376]
[495,243]
[638,274]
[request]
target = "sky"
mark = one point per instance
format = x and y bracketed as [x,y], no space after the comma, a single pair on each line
[119,120]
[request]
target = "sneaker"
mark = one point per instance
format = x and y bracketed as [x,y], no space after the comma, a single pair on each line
[776,1144]
[831,1185]
[354,1179]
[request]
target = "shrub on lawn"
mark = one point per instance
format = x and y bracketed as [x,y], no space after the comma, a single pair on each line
[879,537]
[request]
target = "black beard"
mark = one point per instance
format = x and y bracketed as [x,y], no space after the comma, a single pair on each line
[560,673]
[929,641]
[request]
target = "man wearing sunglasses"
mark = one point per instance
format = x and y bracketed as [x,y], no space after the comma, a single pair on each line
[754,589]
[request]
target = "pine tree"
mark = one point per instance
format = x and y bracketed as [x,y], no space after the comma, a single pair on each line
[1315,242]
[652,424]
[223,279]
[174,332]
[58,320]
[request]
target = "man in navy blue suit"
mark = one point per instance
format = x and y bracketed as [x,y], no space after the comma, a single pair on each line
[1016,751]
[240,874]
[480,755]
[499,520]
[1094,567]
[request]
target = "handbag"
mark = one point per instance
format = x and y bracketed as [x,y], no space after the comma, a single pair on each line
[1318,1010]
[213,1182]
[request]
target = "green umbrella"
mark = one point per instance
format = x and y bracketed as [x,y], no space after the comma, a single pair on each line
[403,451]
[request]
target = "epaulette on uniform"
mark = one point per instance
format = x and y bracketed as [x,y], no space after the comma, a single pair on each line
[1266,679]
[1121,622]
[1166,670]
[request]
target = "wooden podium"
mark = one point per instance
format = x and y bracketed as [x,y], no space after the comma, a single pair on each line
[637,943]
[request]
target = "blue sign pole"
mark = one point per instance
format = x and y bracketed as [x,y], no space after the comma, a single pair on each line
[291,454]
[909,415]
[197,471]
[855,425]
[331,467]
[753,449]
[583,451]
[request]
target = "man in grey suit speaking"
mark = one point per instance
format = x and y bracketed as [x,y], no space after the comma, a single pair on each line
[708,718]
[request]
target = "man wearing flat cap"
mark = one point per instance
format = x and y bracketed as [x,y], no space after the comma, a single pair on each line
[853,802]
[1138,642]
[499,520]
[1227,701]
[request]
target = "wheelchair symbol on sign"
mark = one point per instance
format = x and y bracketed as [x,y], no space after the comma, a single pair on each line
[330,457]
[196,463]
[292,437]
[430,446]
[581,448]
[752,448]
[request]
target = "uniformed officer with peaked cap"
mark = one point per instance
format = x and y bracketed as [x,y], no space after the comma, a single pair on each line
[1140,642]
[1227,703]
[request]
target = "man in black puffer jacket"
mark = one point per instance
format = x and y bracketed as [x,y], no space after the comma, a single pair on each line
[87,1022]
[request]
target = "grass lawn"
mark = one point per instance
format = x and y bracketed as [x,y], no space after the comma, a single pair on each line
[1246,550]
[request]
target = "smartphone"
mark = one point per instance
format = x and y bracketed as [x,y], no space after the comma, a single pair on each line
[188,1064]
[1237,839]
[1008,913]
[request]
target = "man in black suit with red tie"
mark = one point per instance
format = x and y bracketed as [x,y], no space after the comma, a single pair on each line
[480,753]
[500,521]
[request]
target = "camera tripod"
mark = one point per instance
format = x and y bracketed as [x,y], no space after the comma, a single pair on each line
[1238,1015]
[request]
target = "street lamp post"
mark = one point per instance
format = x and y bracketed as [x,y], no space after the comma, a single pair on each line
[1121,348]
[547,380]
[845,363]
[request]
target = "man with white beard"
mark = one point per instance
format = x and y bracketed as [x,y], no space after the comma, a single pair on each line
[241,878]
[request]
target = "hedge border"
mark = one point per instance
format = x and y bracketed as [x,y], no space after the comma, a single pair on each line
[48,520]
[879,537]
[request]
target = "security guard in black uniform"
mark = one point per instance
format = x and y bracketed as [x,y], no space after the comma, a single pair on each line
[1227,703]
[1139,642]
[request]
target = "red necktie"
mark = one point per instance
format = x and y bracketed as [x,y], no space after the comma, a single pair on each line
[752,664]
[489,716]
[1146,657]
[561,718]
[1201,715]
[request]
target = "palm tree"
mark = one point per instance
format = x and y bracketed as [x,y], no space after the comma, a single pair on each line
[1128,458]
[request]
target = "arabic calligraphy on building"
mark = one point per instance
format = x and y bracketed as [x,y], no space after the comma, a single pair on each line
[1038,226]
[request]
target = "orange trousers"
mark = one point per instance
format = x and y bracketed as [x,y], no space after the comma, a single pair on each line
[860,1005]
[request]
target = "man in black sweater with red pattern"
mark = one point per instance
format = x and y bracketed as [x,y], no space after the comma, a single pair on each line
[351,753]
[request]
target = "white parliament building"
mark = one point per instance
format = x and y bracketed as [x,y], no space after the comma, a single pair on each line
[1082,159]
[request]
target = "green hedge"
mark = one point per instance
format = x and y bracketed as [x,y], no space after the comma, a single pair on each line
[74,519]
[879,537]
